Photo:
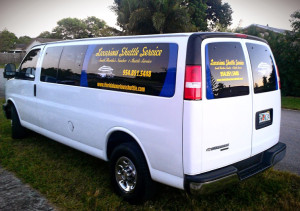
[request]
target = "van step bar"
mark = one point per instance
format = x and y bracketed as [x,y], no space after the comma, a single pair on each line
[265,160]
[243,169]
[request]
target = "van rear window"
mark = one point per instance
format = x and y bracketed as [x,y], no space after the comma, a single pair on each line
[263,68]
[226,71]
[143,68]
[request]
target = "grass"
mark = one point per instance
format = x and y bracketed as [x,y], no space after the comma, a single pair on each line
[3,65]
[72,180]
[290,103]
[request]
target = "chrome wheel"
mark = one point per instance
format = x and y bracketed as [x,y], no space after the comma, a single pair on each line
[125,173]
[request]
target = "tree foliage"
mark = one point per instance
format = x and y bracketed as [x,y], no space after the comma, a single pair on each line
[165,16]
[47,34]
[218,14]
[151,16]
[8,40]
[74,28]
[198,11]
[24,40]
[285,48]
[70,28]
[295,21]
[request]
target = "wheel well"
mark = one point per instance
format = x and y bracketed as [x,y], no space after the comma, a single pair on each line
[117,138]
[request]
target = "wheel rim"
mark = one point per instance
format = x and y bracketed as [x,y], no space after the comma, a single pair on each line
[125,173]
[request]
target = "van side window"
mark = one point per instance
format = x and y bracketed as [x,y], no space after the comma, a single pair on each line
[226,70]
[70,65]
[50,64]
[263,68]
[142,68]
[28,66]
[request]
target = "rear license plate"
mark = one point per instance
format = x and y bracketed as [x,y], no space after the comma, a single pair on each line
[264,118]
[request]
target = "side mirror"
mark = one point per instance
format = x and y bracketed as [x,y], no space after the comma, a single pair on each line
[9,71]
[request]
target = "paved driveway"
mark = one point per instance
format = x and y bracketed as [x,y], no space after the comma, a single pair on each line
[14,195]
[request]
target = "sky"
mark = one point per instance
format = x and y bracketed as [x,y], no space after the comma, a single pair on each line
[31,17]
[275,13]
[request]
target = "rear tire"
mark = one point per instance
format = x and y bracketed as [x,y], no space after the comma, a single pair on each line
[130,175]
[17,130]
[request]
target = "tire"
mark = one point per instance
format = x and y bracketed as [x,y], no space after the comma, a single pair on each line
[17,130]
[130,175]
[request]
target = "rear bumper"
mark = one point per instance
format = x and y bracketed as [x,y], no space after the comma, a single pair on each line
[216,179]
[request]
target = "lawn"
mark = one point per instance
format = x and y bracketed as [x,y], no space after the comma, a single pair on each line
[72,180]
[3,65]
[290,103]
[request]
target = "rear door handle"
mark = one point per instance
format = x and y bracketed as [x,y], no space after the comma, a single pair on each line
[34,90]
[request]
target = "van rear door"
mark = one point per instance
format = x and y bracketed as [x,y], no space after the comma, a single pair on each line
[227,103]
[266,97]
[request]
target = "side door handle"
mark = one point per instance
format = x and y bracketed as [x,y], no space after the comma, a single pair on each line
[34,90]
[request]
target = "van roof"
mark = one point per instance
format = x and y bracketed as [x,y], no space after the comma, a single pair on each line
[201,35]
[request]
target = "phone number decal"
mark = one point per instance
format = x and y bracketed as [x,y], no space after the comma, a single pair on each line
[137,73]
[229,73]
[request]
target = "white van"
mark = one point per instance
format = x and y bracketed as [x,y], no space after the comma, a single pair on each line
[188,110]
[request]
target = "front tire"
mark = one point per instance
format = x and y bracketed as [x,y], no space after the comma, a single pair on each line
[17,130]
[130,175]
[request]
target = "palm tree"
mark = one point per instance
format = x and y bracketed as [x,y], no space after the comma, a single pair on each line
[152,16]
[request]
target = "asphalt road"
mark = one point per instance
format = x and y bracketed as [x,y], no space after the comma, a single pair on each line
[290,135]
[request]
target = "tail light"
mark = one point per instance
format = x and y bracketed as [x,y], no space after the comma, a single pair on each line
[278,78]
[193,83]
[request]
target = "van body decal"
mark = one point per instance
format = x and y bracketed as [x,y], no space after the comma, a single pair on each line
[209,90]
[169,84]
[88,54]
[143,68]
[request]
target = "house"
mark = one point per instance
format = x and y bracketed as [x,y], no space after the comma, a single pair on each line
[37,41]
[20,48]
[262,30]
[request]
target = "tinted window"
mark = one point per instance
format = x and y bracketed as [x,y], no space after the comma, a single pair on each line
[263,69]
[70,65]
[50,64]
[28,66]
[226,71]
[138,68]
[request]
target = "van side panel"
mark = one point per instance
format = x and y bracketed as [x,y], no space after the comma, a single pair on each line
[192,136]
[85,115]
